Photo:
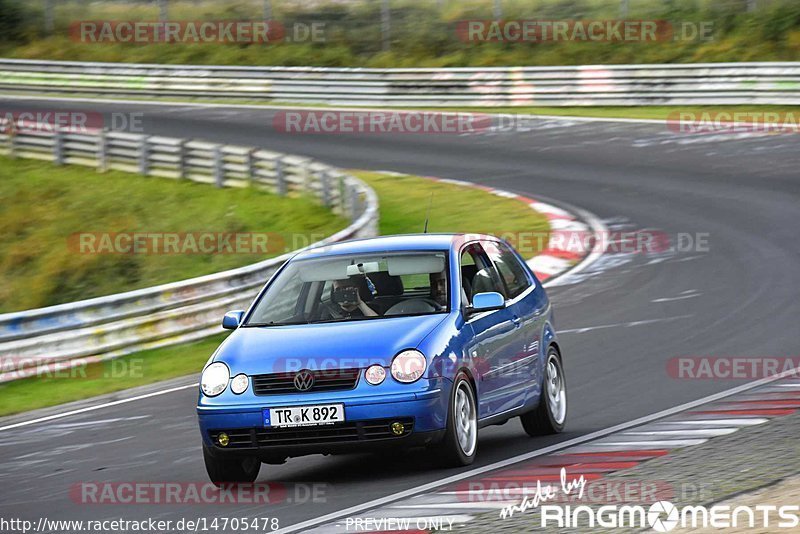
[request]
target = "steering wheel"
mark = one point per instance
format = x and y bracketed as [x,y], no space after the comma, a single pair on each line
[415,305]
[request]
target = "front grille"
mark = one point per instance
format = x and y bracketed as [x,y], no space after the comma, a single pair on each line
[324,380]
[347,432]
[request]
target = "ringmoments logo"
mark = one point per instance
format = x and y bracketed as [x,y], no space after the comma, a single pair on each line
[664,516]
[660,516]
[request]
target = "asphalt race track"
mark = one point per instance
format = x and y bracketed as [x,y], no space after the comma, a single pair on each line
[621,320]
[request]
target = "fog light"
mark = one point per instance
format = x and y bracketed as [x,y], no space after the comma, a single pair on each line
[397,428]
[223,439]
[375,374]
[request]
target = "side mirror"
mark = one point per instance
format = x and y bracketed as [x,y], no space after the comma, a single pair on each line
[491,300]
[232,319]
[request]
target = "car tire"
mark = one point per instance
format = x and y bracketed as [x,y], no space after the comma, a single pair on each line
[550,416]
[460,442]
[236,469]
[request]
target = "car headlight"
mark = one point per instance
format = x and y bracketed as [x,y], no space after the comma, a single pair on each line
[214,379]
[239,383]
[375,374]
[409,366]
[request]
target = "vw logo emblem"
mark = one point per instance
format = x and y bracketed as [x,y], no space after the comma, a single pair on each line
[303,380]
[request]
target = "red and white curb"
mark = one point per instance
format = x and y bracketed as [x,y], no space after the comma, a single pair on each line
[560,255]
[460,502]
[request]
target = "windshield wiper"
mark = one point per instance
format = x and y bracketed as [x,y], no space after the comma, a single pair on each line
[272,323]
[343,319]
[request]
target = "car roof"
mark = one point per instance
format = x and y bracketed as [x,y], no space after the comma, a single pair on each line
[391,243]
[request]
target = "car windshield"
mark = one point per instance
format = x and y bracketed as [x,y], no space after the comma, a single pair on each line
[355,288]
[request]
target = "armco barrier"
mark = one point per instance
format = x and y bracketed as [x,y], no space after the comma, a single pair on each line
[35,340]
[618,85]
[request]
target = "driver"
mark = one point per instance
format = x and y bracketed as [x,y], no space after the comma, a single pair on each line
[346,301]
[439,288]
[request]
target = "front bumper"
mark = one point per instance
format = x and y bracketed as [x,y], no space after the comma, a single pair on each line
[367,425]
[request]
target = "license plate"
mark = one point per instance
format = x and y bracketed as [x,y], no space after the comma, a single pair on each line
[323,414]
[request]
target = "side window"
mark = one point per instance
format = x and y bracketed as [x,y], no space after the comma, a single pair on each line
[478,275]
[508,265]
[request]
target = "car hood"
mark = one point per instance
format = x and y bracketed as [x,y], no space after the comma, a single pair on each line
[275,349]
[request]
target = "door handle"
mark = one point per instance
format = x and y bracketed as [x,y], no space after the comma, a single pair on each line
[517,321]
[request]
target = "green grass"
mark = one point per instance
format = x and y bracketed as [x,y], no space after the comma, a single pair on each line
[405,199]
[634,112]
[129,371]
[44,208]
[423,35]
[404,202]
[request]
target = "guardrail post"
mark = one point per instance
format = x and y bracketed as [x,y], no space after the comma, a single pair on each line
[12,139]
[386,25]
[182,159]
[354,203]
[144,156]
[280,177]
[305,174]
[219,167]
[58,147]
[251,165]
[162,11]
[102,151]
[342,189]
[49,24]
[325,182]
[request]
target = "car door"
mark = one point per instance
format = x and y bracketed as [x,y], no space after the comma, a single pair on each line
[528,306]
[492,343]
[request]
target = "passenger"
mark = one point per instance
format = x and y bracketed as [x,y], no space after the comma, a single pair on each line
[346,301]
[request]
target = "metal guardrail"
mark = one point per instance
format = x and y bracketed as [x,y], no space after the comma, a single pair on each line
[671,84]
[34,341]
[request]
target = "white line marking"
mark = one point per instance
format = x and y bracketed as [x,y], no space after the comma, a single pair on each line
[700,432]
[97,407]
[721,422]
[425,488]
[651,444]
[454,505]
[671,299]
[623,325]
[489,492]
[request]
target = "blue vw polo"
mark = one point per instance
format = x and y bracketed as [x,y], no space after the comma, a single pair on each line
[398,341]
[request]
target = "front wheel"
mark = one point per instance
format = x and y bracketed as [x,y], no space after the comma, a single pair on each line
[551,414]
[234,469]
[461,436]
